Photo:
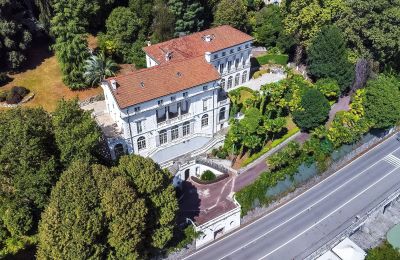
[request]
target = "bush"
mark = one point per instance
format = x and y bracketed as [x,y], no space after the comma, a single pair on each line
[16,94]
[222,154]
[208,176]
[259,73]
[4,79]
[3,96]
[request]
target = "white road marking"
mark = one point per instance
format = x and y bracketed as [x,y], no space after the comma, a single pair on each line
[306,209]
[393,160]
[330,214]
[292,200]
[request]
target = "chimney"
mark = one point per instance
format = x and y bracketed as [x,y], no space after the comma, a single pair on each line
[207,56]
[168,56]
[114,84]
[208,37]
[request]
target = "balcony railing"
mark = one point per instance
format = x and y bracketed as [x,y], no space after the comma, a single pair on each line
[173,120]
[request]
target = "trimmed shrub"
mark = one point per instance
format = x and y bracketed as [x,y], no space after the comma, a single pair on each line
[3,96]
[208,176]
[16,94]
[4,79]
[222,154]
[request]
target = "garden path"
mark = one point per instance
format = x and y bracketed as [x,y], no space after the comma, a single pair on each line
[251,174]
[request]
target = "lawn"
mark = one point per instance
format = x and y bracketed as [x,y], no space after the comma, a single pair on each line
[43,78]
[280,59]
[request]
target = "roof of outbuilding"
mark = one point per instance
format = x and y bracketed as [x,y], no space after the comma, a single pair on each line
[194,45]
[158,81]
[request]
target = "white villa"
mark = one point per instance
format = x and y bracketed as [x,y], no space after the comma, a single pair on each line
[179,102]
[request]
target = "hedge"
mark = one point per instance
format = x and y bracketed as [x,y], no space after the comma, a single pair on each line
[217,179]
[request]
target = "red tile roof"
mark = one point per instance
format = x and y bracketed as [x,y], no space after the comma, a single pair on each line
[194,45]
[155,82]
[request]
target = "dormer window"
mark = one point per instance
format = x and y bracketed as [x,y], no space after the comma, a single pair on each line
[160,102]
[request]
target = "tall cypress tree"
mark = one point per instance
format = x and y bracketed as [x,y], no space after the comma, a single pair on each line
[327,57]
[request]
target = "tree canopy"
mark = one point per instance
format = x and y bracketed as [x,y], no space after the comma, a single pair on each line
[314,110]
[327,57]
[76,133]
[108,211]
[28,169]
[382,102]
[231,12]
[372,30]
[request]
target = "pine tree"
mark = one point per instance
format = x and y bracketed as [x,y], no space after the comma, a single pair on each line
[188,16]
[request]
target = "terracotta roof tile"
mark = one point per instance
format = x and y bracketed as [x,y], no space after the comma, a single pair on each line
[158,81]
[194,45]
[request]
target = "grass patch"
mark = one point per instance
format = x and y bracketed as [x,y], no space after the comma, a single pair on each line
[45,80]
[271,145]
[280,59]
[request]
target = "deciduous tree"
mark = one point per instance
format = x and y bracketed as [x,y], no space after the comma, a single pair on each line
[77,134]
[231,12]
[382,102]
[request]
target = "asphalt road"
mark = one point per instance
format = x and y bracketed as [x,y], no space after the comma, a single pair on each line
[304,224]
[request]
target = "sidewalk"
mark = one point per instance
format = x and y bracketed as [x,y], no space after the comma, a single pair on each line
[255,84]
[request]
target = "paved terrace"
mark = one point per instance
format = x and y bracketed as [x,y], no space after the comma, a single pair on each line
[202,203]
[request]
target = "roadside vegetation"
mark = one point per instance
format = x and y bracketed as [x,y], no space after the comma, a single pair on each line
[56,185]
[383,252]
[347,128]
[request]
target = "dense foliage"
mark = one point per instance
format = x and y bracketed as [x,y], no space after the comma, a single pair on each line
[328,57]
[231,12]
[15,33]
[76,133]
[313,111]
[382,101]
[87,203]
[383,252]
[28,169]
[372,30]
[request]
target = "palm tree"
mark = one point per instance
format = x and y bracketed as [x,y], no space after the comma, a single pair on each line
[99,67]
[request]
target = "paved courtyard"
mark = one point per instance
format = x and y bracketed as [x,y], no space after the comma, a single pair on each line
[255,84]
[202,203]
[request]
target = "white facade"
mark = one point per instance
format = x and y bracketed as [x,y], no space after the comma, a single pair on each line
[200,110]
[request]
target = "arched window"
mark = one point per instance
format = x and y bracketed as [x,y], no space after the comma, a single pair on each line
[119,150]
[230,82]
[141,143]
[237,78]
[222,114]
[186,128]
[204,120]
[244,76]
[222,84]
